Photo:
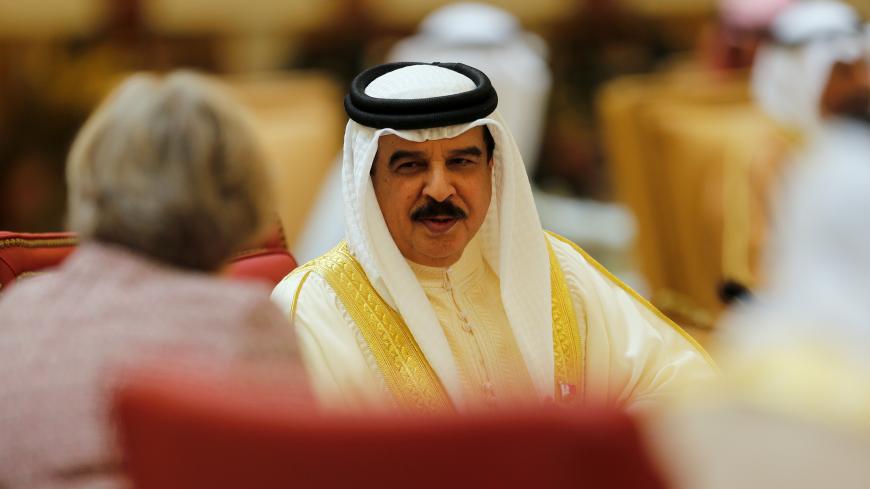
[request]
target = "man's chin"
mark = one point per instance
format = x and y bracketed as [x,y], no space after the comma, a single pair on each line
[439,258]
[439,250]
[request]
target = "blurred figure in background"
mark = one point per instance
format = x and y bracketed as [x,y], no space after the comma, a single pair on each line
[801,344]
[492,40]
[814,66]
[691,155]
[811,66]
[696,151]
[792,408]
[732,42]
[166,181]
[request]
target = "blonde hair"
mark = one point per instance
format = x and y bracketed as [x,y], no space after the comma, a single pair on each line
[169,168]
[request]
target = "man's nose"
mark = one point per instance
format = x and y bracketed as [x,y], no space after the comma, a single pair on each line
[438,184]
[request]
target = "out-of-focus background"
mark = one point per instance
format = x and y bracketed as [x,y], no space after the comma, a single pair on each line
[634,116]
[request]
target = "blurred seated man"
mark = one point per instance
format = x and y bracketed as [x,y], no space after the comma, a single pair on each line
[696,158]
[801,343]
[448,294]
[795,384]
[165,183]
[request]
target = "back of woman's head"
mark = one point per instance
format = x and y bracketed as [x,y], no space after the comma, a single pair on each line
[169,168]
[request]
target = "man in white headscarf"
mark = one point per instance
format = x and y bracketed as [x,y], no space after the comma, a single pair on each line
[447,293]
[488,38]
[814,67]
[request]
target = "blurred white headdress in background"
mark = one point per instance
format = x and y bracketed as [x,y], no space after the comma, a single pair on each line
[491,40]
[790,73]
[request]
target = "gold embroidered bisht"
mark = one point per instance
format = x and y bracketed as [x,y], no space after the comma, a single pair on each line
[360,352]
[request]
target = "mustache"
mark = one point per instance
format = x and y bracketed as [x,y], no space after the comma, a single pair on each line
[433,208]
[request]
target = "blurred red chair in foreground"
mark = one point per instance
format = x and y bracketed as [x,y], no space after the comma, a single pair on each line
[22,254]
[180,434]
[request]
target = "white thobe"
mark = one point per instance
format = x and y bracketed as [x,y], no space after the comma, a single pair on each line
[633,355]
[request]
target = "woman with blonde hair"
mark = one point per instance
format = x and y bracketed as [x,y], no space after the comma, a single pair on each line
[166,181]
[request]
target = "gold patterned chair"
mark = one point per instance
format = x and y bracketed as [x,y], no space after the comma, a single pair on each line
[25,254]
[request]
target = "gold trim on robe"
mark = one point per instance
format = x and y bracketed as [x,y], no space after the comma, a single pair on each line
[568,350]
[643,302]
[409,377]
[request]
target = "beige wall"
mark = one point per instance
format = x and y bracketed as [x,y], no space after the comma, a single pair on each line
[300,120]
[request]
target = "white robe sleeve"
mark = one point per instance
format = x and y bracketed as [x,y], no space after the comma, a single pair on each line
[635,357]
[339,363]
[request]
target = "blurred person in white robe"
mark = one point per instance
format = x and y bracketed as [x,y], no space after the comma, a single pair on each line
[814,67]
[801,343]
[792,407]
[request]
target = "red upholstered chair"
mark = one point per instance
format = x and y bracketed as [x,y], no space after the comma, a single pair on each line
[22,254]
[176,433]
[270,262]
[266,265]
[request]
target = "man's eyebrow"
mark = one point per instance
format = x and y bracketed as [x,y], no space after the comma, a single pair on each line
[401,154]
[469,151]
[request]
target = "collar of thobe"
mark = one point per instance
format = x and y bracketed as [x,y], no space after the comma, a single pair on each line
[469,266]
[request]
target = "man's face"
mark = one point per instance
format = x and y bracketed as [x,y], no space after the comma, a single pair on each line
[847,91]
[433,195]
